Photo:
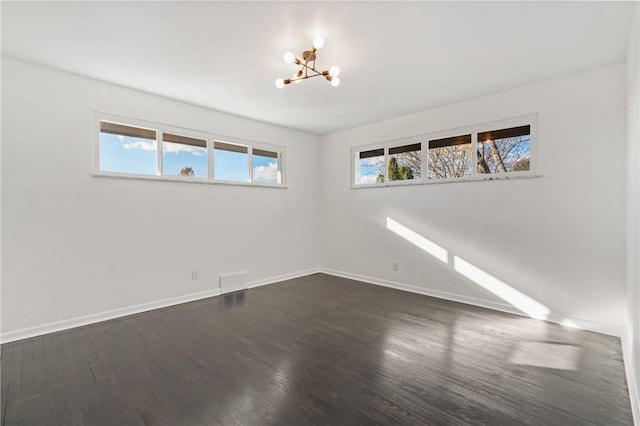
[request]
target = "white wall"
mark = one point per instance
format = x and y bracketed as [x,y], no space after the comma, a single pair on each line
[77,245]
[559,239]
[632,343]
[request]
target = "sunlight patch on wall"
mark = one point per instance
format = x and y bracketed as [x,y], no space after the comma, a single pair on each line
[517,299]
[521,301]
[427,245]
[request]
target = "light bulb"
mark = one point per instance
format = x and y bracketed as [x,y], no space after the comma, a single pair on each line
[334,71]
[279,83]
[318,42]
[335,82]
[289,57]
[296,77]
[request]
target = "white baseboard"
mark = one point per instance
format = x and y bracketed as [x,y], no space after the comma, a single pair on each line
[632,384]
[25,333]
[52,327]
[273,280]
[422,290]
[608,329]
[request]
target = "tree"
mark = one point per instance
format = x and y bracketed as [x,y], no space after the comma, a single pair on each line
[493,156]
[449,161]
[396,172]
[187,171]
[504,155]
[522,164]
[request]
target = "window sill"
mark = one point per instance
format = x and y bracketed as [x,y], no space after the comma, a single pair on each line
[442,181]
[185,180]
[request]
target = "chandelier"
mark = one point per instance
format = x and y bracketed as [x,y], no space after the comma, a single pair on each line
[308,67]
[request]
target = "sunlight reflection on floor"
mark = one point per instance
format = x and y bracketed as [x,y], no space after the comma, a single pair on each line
[558,356]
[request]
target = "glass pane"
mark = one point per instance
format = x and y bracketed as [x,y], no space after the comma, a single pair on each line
[404,162]
[512,154]
[230,162]
[450,158]
[179,159]
[127,154]
[370,167]
[265,167]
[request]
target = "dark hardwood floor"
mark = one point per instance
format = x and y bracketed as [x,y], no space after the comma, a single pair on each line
[317,350]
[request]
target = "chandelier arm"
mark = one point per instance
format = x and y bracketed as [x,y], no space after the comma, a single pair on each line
[317,74]
[311,76]
[308,67]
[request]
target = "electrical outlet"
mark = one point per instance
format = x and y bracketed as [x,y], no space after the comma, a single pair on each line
[194,275]
[395,266]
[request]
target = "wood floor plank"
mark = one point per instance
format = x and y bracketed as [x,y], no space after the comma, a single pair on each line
[317,350]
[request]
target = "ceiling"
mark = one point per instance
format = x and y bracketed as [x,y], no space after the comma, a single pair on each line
[396,58]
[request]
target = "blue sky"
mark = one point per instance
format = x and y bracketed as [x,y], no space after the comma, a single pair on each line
[127,155]
[229,165]
[176,156]
[123,154]
[370,168]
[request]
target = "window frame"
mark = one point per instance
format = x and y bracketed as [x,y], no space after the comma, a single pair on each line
[424,139]
[210,139]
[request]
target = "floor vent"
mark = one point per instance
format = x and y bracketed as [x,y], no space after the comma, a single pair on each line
[233,282]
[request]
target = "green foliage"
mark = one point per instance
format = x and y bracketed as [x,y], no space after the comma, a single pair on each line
[399,172]
[396,172]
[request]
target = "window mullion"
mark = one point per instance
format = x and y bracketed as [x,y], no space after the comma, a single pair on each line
[386,165]
[424,161]
[474,154]
[210,157]
[159,133]
[250,162]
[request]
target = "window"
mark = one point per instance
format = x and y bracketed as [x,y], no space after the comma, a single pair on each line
[184,156]
[370,167]
[127,149]
[266,166]
[472,153]
[230,162]
[450,157]
[404,162]
[506,150]
[132,148]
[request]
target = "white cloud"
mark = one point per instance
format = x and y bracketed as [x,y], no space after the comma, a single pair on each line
[177,148]
[171,148]
[145,146]
[266,173]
